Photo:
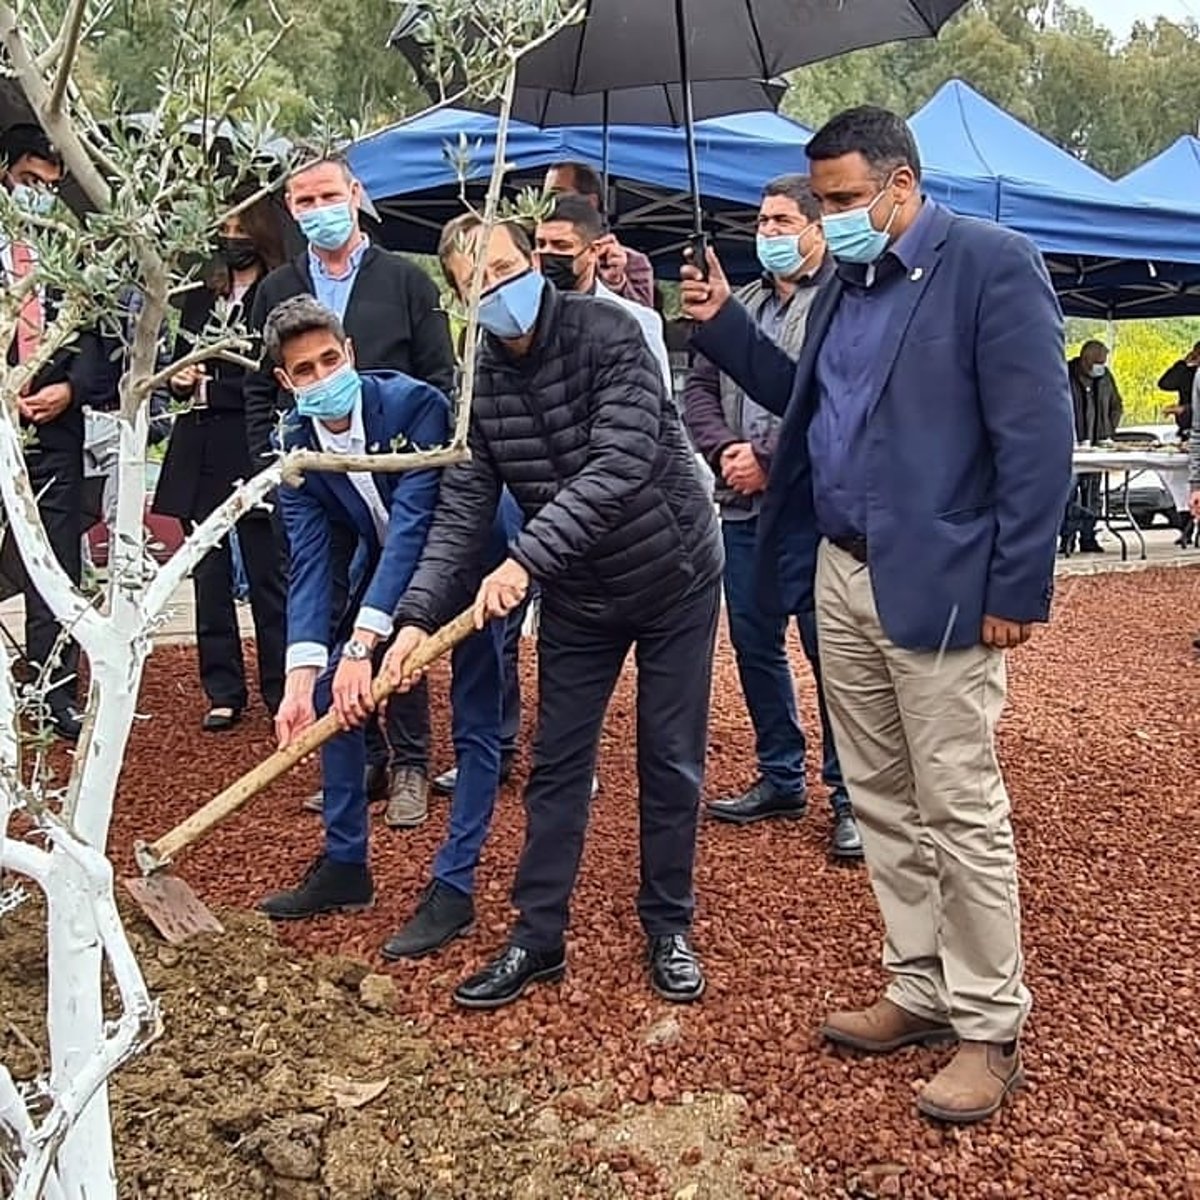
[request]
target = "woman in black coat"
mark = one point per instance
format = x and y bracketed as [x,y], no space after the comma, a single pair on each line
[207,455]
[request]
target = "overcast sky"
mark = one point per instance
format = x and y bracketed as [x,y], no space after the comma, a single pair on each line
[1119,15]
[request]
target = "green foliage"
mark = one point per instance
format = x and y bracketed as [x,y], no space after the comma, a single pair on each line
[1051,65]
[1143,351]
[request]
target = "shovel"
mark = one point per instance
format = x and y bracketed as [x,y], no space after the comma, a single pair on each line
[172,906]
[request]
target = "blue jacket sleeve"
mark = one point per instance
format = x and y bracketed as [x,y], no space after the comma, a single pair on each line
[1026,402]
[413,501]
[310,580]
[734,342]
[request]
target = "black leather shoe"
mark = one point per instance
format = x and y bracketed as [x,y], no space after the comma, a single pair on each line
[507,976]
[221,718]
[675,971]
[1091,548]
[761,803]
[445,783]
[67,722]
[328,886]
[443,914]
[377,780]
[845,844]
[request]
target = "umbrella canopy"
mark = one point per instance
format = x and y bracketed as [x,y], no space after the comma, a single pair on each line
[625,44]
[632,43]
[661,105]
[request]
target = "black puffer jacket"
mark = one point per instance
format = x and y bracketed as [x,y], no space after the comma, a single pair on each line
[617,522]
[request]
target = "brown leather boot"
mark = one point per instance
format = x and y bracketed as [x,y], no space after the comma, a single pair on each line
[882,1028]
[973,1084]
[408,805]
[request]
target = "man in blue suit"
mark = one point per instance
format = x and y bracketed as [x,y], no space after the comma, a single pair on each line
[923,462]
[341,411]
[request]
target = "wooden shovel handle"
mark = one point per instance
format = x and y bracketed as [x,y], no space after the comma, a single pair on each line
[158,855]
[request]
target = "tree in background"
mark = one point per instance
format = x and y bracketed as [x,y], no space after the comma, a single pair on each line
[1051,65]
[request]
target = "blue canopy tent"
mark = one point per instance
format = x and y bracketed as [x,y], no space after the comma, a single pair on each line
[1112,252]
[406,171]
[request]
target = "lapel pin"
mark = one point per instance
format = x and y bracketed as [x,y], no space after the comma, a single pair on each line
[916,275]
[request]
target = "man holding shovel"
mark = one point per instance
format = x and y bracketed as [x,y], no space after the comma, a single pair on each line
[340,411]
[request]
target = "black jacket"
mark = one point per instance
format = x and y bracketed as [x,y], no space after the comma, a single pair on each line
[208,451]
[78,364]
[1179,378]
[618,526]
[393,318]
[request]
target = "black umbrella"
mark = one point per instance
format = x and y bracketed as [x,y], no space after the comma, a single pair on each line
[624,44]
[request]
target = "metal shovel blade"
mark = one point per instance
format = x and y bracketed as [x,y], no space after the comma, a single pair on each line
[172,907]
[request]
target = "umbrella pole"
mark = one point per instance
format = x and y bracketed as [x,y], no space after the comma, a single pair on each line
[604,154]
[689,119]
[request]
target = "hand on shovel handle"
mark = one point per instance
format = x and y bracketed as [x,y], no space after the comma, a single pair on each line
[158,855]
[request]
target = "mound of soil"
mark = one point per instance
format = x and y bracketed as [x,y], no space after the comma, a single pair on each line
[613,1092]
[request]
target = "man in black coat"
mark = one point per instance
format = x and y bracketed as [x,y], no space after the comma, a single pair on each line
[52,409]
[392,313]
[571,415]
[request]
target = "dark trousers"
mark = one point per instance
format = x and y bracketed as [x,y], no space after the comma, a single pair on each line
[218,640]
[57,479]
[475,702]
[475,684]
[1084,509]
[766,675]
[402,738]
[510,709]
[579,662]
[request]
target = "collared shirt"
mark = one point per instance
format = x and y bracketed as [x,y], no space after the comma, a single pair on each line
[333,291]
[349,441]
[651,326]
[848,381]
[354,441]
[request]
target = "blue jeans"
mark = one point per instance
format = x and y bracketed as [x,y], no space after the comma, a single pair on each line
[475,691]
[766,675]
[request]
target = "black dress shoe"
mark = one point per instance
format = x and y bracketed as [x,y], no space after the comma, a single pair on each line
[445,783]
[507,976]
[328,886]
[761,803]
[67,721]
[377,782]
[675,971]
[221,718]
[443,914]
[845,844]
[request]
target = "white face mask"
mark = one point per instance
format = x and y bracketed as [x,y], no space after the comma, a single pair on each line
[1098,370]
[37,201]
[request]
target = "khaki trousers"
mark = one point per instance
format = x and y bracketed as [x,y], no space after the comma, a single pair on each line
[916,733]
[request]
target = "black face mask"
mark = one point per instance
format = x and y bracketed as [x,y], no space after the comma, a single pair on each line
[237,253]
[559,269]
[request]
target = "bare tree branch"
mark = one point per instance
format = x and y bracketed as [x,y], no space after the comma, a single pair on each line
[299,462]
[72,27]
[218,349]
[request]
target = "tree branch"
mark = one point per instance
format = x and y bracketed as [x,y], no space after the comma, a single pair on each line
[295,465]
[204,537]
[45,572]
[192,358]
[61,131]
[72,27]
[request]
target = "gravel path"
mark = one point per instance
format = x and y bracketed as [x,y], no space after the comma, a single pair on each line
[1102,753]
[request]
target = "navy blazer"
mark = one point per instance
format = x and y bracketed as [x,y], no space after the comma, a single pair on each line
[969,440]
[396,410]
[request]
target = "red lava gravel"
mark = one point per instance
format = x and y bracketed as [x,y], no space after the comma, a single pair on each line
[1101,746]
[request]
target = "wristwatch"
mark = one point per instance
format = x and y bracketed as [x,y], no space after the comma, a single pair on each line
[356,651]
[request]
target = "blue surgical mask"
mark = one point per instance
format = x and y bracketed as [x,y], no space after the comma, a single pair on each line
[328,228]
[332,398]
[780,254]
[851,236]
[37,201]
[510,309]
[1099,370]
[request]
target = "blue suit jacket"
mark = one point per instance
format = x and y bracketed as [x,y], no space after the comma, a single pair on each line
[969,440]
[394,406]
